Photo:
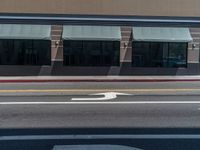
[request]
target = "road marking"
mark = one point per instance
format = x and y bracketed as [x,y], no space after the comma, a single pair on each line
[89,137]
[86,103]
[95,90]
[107,96]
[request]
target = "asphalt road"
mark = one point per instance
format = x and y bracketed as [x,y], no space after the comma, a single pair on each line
[120,112]
[154,115]
[99,85]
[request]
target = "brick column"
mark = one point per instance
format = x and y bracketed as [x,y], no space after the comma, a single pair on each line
[193,52]
[126,45]
[56,44]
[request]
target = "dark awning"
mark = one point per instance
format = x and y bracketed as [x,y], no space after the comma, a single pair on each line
[97,33]
[22,31]
[161,34]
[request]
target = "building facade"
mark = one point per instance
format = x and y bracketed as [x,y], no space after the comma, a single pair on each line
[99,37]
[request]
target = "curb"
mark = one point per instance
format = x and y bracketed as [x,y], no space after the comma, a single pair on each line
[97,80]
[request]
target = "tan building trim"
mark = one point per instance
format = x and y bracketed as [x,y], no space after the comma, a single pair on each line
[104,7]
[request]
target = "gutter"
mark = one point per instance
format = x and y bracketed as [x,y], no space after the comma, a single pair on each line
[100,19]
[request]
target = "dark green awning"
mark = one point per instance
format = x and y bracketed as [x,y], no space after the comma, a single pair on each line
[161,34]
[22,31]
[98,33]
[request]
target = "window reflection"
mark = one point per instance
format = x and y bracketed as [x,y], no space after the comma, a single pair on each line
[157,54]
[25,52]
[91,53]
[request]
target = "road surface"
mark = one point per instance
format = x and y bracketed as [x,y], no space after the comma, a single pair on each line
[151,115]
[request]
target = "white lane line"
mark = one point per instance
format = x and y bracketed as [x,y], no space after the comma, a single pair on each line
[86,103]
[88,137]
[96,90]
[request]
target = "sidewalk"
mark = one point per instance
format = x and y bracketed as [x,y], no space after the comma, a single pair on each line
[18,79]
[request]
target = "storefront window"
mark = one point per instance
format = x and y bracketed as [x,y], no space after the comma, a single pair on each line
[157,54]
[178,54]
[91,53]
[25,52]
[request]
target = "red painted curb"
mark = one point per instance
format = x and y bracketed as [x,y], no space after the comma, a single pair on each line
[99,80]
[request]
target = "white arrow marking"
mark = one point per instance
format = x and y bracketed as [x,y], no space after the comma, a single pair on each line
[107,96]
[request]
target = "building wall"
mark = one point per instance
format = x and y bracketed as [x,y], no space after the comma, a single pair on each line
[193,52]
[126,44]
[56,43]
[104,7]
[125,68]
[126,51]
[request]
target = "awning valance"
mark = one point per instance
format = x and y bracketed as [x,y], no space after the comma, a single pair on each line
[97,33]
[22,31]
[161,34]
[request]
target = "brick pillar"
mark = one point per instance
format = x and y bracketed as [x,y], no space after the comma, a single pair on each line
[56,44]
[193,52]
[126,45]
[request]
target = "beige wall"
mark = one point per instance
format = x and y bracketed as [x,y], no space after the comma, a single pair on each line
[126,44]
[193,52]
[111,7]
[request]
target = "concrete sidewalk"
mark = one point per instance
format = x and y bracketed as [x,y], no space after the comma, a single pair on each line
[18,79]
